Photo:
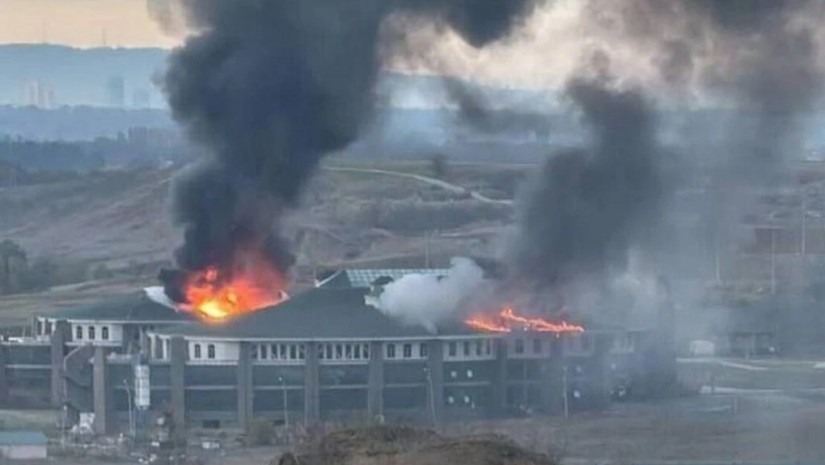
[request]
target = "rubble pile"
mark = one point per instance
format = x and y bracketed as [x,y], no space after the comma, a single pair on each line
[392,445]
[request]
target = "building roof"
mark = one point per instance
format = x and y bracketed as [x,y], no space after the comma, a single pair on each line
[318,314]
[22,438]
[131,307]
[366,278]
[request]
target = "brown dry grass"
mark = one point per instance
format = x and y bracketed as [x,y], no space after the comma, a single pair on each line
[402,445]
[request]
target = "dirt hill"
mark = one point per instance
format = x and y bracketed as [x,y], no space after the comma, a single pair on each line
[391,445]
[348,216]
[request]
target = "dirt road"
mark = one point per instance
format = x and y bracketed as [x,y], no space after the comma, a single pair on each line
[456,189]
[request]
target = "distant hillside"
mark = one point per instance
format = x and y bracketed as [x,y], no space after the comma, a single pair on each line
[78,123]
[80,76]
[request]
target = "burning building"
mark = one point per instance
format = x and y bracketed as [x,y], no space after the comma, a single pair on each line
[324,354]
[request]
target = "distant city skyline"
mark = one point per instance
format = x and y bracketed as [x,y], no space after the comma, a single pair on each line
[81,23]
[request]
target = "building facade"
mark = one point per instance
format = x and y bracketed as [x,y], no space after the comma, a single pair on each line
[323,355]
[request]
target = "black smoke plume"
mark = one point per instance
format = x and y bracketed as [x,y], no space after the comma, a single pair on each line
[270,87]
[761,56]
[586,207]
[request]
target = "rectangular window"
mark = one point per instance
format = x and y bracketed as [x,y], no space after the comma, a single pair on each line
[273,351]
[48,327]
[104,333]
[519,346]
[197,351]
[466,348]
[264,351]
[159,348]
[348,351]
[390,350]
[356,352]
[329,351]
[92,333]
[282,352]
[422,350]
[407,350]
[293,352]
[479,348]
[302,353]
[536,346]
[39,329]
[366,351]
[452,349]
[339,352]
[78,332]
[488,344]
[574,343]
[322,354]
[210,351]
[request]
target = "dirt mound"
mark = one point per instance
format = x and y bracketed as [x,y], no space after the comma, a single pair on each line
[397,445]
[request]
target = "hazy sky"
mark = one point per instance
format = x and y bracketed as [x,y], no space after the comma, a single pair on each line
[81,23]
[523,60]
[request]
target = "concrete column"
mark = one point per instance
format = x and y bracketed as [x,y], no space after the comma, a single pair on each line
[435,381]
[4,382]
[60,335]
[552,389]
[244,384]
[600,384]
[312,385]
[177,371]
[102,394]
[499,404]
[375,387]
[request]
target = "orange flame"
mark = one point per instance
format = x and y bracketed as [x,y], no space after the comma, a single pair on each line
[507,320]
[253,284]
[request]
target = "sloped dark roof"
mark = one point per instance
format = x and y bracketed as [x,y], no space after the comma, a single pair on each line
[320,313]
[364,278]
[135,306]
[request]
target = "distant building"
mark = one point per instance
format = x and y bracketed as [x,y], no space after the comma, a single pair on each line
[116,92]
[141,98]
[40,95]
[23,445]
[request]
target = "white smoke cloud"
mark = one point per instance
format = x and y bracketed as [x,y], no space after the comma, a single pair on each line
[427,299]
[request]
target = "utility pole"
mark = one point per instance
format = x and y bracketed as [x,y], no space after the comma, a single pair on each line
[773,259]
[804,245]
[565,398]
[804,238]
[285,406]
[427,250]
[131,409]
[431,397]
[717,263]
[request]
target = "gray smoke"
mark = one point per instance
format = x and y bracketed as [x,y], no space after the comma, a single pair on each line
[474,111]
[587,206]
[429,299]
[270,88]
[762,56]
